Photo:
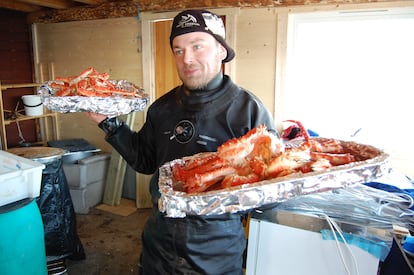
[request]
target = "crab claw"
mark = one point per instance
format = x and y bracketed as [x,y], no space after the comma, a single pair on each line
[304,132]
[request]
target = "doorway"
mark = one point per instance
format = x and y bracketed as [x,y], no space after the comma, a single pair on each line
[166,76]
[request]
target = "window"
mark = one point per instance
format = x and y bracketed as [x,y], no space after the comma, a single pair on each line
[349,75]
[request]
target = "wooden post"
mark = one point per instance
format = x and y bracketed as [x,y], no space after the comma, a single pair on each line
[116,173]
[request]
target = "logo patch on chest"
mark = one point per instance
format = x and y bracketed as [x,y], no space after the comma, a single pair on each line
[184,131]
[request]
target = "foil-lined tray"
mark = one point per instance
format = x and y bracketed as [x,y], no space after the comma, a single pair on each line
[371,163]
[111,106]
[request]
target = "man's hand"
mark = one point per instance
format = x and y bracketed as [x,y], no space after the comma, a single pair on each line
[98,118]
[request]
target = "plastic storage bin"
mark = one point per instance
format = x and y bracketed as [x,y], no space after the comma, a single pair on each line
[20,178]
[86,180]
[87,170]
[85,198]
[76,149]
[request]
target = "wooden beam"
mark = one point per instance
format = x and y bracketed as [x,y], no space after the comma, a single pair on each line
[18,6]
[55,4]
[123,8]
[89,2]
[116,172]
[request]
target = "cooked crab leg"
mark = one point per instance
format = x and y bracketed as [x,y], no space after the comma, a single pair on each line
[88,83]
[257,156]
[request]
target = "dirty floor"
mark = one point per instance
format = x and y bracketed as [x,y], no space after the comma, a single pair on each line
[112,242]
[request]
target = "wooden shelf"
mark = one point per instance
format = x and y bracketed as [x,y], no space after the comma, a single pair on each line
[13,86]
[43,119]
[23,118]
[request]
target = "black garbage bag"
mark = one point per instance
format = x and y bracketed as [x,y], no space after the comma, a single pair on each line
[58,214]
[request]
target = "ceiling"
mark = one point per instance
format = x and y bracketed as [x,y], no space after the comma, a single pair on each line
[29,6]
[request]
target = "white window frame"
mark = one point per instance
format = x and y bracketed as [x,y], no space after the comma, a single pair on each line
[287,18]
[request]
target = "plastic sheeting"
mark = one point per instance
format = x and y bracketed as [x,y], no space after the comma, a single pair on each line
[358,204]
[363,206]
[58,215]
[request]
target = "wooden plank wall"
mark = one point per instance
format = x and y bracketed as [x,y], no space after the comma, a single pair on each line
[256,52]
[16,67]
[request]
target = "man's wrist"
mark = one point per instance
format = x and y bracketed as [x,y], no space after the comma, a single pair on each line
[110,125]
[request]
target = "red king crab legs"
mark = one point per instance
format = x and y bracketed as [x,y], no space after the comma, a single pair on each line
[258,155]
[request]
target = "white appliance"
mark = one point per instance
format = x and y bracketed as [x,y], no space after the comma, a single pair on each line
[279,249]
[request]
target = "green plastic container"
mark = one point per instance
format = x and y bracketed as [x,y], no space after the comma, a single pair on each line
[22,244]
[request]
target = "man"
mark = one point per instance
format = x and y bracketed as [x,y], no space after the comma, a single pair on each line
[198,116]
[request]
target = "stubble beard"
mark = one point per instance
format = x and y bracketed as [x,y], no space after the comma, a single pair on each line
[195,82]
[199,82]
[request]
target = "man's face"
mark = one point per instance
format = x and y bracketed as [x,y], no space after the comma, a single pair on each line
[198,57]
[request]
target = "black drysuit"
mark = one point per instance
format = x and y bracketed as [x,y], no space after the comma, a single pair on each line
[178,124]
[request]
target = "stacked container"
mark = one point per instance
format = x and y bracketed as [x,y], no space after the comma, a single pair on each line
[86,169]
[22,244]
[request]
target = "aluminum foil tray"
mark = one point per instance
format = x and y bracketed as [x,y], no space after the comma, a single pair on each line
[110,106]
[371,163]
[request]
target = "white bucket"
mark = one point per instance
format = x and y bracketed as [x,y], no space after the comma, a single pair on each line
[32,105]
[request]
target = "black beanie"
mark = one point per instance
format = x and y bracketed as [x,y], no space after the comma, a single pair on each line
[201,21]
